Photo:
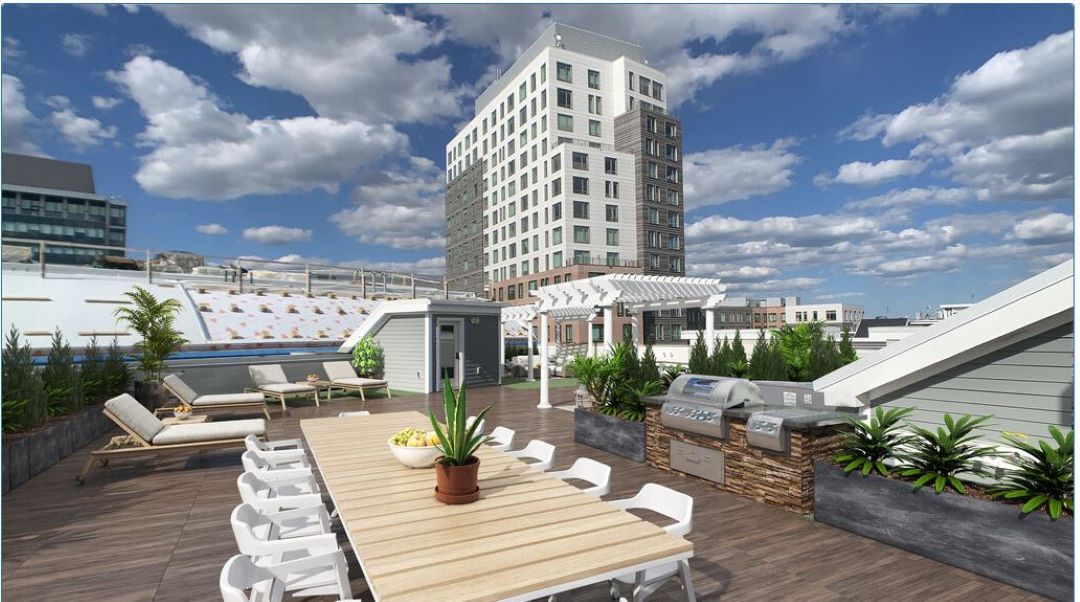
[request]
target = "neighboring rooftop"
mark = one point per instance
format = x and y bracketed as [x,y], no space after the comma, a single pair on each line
[40,172]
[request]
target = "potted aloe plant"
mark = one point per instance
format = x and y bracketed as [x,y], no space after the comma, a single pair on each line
[457,469]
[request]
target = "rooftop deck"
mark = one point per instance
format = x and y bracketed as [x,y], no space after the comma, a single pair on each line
[158,530]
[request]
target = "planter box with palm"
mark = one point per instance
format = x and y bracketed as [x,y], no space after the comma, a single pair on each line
[1043,476]
[154,321]
[457,469]
[617,384]
[938,457]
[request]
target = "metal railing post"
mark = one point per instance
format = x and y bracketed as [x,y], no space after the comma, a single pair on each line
[446,288]
[149,269]
[412,278]
[307,277]
[41,257]
[363,284]
[240,274]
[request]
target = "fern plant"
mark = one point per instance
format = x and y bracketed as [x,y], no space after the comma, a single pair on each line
[939,456]
[1043,476]
[868,444]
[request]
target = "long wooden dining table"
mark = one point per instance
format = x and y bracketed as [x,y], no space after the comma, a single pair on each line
[530,535]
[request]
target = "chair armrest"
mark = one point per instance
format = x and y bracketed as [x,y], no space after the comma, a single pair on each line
[284,456]
[277,504]
[312,544]
[301,512]
[280,444]
[286,476]
[334,560]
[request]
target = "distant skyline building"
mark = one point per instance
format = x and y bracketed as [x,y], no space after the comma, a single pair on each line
[53,200]
[580,174]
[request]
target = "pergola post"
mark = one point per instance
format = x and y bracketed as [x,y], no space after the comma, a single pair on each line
[609,326]
[544,401]
[634,334]
[710,328]
[529,341]
[502,349]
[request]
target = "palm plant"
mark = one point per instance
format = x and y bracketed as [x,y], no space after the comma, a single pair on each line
[458,441]
[154,321]
[939,456]
[670,374]
[1043,475]
[630,405]
[594,373]
[868,444]
[796,342]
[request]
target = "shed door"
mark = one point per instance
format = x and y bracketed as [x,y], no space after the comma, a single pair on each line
[449,352]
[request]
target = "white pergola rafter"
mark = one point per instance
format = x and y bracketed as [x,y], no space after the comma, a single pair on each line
[581,299]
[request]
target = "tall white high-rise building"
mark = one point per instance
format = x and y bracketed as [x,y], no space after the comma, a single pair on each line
[561,195]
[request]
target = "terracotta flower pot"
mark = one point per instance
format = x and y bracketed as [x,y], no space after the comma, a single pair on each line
[457,484]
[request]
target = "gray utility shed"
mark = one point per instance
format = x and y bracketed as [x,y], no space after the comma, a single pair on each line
[1009,356]
[425,341]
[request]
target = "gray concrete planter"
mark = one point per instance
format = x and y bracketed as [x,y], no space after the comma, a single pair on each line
[988,538]
[24,456]
[611,434]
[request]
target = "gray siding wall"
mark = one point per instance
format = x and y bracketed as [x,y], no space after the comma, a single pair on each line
[402,338]
[1026,387]
[481,349]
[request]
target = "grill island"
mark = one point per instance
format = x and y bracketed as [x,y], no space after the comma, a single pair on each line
[759,440]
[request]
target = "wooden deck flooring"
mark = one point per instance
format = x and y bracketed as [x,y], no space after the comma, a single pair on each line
[158,530]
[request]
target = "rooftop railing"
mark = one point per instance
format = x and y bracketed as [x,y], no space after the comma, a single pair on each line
[217,271]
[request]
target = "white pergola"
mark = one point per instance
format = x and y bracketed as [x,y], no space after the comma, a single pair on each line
[582,299]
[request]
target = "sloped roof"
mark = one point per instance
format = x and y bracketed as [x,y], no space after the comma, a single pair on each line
[1029,308]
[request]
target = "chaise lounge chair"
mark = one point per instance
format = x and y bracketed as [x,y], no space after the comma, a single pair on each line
[341,375]
[270,380]
[204,403]
[148,436]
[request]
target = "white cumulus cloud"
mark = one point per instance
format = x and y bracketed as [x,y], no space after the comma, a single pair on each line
[211,229]
[738,172]
[861,173]
[276,235]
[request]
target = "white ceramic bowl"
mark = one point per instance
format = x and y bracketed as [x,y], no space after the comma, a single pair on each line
[414,457]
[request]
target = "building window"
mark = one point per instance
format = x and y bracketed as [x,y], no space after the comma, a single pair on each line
[556,163]
[568,333]
[830,316]
[652,170]
[610,165]
[612,237]
[564,73]
[581,185]
[611,213]
[673,219]
[674,242]
[543,73]
[556,187]
[581,234]
[566,123]
[522,91]
[580,160]
[672,174]
[643,85]
[594,79]
[595,105]
[671,152]
[556,259]
[556,236]
[650,124]
[581,209]
[594,127]
[658,91]
[611,189]
[672,196]
[653,215]
[632,78]
[564,98]
[671,129]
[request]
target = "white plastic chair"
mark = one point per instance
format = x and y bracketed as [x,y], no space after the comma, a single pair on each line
[542,452]
[590,470]
[254,538]
[353,414]
[275,464]
[676,506]
[253,443]
[286,524]
[501,438]
[267,583]
[470,420]
[297,491]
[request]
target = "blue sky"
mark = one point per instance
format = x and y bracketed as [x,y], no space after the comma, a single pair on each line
[896,157]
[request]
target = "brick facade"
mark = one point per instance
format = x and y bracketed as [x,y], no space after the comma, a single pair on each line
[786,481]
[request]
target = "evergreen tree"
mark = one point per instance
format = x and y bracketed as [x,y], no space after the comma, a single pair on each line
[699,356]
[718,357]
[649,369]
[92,373]
[776,367]
[24,403]
[824,357]
[737,363]
[117,375]
[847,349]
[759,358]
[61,378]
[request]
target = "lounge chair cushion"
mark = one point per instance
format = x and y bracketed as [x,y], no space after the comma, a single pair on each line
[229,399]
[180,388]
[267,374]
[359,382]
[338,370]
[286,388]
[174,434]
[137,418]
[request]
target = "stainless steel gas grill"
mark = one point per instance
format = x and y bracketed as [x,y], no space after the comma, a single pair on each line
[696,403]
[770,427]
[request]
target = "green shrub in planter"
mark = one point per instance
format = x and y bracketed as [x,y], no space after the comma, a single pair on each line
[649,368]
[868,444]
[116,373]
[939,456]
[1043,476]
[24,403]
[367,357]
[63,387]
[92,373]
